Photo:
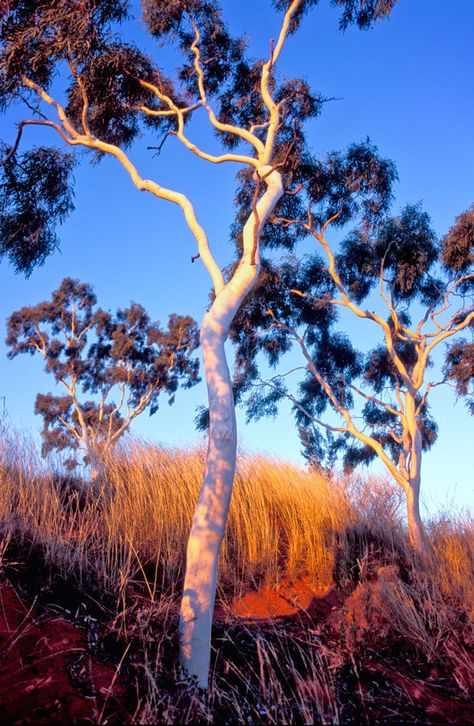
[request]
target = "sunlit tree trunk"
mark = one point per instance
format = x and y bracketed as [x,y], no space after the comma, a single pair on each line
[416,528]
[96,464]
[210,516]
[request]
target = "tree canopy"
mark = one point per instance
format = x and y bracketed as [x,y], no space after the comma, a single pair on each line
[112,367]
[80,40]
[377,399]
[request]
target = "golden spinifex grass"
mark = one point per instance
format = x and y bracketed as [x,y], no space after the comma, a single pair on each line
[134,522]
[284,520]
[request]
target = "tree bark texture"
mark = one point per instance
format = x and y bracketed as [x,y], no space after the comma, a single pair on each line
[416,530]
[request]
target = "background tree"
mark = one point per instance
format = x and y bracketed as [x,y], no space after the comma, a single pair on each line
[124,361]
[112,93]
[379,398]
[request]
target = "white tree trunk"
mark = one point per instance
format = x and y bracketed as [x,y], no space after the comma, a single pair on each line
[96,463]
[416,530]
[210,516]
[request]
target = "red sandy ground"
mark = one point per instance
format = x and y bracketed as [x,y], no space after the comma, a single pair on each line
[288,599]
[47,674]
[331,608]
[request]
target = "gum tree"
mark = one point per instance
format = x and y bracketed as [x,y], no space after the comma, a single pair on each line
[121,362]
[112,93]
[415,295]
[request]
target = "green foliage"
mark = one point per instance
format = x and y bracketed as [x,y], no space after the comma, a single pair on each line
[298,297]
[36,36]
[80,41]
[35,195]
[105,81]
[123,361]
[458,245]
[459,368]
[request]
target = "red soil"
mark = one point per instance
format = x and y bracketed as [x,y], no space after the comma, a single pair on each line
[435,703]
[290,598]
[359,615]
[47,674]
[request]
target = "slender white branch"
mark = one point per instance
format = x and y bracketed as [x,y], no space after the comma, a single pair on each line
[407,333]
[364,314]
[273,107]
[300,407]
[70,428]
[351,427]
[224,127]
[142,184]
[179,133]
[374,399]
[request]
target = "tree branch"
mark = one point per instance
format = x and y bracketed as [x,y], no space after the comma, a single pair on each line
[374,399]
[299,406]
[178,113]
[226,128]
[272,107]
[142,184]
[400,366]
[70,428]
[344,412]
[85,100]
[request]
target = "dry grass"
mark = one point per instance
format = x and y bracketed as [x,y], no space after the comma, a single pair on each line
[125,539]
[283,519]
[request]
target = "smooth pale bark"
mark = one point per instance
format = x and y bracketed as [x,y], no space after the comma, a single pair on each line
[95,455]
[96,464]
[210,516]
[416,529]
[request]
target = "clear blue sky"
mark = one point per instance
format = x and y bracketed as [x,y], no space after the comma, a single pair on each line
[408,84]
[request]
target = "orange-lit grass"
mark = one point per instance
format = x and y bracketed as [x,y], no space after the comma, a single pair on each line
[283,519]
[284,523]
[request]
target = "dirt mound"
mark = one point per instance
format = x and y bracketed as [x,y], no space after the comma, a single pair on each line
[47,671]
[290,598]
[352,625]
[335,651]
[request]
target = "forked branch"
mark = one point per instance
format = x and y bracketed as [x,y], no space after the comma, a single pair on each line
[71,136]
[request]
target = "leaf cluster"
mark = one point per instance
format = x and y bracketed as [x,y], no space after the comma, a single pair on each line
[459,368]
[352,186]
[295,300]
[458,244]
[35,195]
[36,35]
[79,40]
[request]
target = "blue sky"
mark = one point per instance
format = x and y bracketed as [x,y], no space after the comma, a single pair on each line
[407,84]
